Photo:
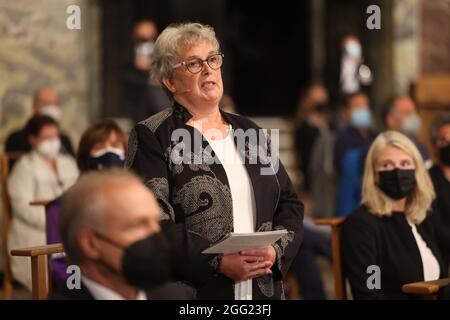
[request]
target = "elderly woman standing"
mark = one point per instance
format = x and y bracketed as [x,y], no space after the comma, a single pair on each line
[204,200]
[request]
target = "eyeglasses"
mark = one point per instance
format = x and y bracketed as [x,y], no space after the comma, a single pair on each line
[196,65]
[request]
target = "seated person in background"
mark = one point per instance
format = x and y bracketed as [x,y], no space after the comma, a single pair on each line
[349,151]
[45,102]
[359,134]
[401,115]
[142,96]
[42,174]
[104,217]
[314,142]
[309,121]
[389,229]
[101,146]
[440,175]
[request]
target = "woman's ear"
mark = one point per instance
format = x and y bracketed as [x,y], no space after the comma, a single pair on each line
[168,83]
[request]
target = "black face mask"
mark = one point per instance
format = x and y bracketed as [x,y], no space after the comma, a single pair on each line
[444,155]
[109,159]
[397,184]
[146,263]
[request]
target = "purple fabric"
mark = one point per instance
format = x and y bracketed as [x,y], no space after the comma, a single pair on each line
[59,264]
[52,211]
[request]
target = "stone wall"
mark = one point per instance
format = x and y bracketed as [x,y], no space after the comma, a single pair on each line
[435,47]
[37,49]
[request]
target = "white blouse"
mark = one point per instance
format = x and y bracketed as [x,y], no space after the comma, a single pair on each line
[244,208]
[431,269]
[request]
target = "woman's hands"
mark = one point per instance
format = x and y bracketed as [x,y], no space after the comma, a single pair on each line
[248,264]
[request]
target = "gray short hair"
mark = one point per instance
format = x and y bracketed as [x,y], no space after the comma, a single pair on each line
[172,40]
[84,204]
[440,121]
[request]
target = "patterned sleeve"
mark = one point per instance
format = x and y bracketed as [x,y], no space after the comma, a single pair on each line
[146,158]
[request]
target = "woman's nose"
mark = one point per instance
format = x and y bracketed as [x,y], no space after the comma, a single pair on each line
[206,68]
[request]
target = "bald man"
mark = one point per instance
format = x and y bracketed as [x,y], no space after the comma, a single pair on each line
[45,102]
[102,215]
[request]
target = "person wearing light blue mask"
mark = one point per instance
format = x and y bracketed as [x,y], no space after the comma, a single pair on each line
[361,117]
[400,114]
[350,149]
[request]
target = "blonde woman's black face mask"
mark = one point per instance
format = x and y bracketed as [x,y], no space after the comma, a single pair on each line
[398,183]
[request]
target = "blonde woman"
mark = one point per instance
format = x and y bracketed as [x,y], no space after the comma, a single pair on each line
[388,236]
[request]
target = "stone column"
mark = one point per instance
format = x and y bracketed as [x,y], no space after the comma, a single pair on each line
[406,44]
[435,33]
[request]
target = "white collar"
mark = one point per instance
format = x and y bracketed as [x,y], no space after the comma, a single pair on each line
[100,292]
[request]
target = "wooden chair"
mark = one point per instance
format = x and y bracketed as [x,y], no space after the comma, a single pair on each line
[41,273]
[429,290]
[7,274]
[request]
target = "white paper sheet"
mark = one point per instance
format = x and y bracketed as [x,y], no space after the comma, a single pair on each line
[236,242]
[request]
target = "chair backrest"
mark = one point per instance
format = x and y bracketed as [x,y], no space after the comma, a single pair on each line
[5,160]
[42,281]
[335,223]
[41,269]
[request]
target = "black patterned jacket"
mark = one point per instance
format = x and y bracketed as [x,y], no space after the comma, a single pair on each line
[195,199]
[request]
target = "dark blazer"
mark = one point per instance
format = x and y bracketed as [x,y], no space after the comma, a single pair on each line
[441,210]
[197,196]
[389,243]
[169,291]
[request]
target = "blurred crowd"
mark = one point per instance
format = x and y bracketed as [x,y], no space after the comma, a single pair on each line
[347,160]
